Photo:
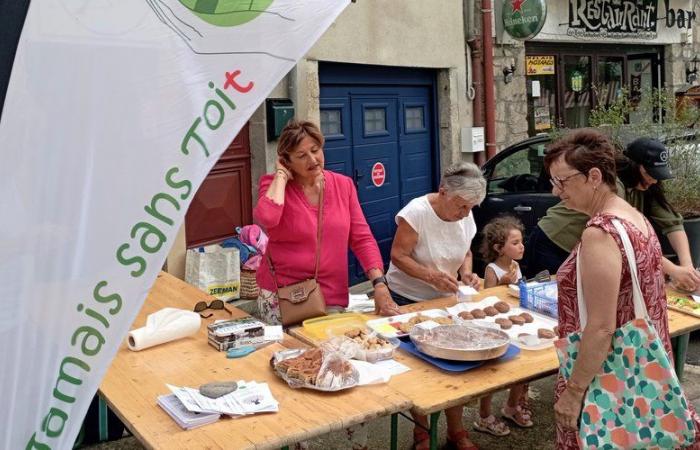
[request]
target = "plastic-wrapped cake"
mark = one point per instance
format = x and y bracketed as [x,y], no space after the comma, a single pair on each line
[460,342]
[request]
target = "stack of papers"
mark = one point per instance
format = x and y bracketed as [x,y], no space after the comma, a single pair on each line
[249,398]
[360,303]
[185,418]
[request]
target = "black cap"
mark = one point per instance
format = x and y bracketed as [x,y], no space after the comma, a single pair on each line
[651,154]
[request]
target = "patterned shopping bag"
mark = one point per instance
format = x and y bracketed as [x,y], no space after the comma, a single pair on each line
[636,401]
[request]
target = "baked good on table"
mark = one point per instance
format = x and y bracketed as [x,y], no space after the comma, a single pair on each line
[491,311]
[517,320]
[505,324]
[407,326]
[466,315]
[337,372]
[304,367]
[502,307]
[545,333]
[367,341]
[478,314]
[443,320]
[528,317]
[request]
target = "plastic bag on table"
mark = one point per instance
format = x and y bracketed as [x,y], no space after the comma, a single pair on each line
[460,336]
[315,368]
[363,345]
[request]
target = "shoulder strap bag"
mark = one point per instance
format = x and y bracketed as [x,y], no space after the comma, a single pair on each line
[635,401]
[302,300]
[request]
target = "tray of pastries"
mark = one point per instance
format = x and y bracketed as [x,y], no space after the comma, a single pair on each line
[527,329]
[401,325]
[315,369]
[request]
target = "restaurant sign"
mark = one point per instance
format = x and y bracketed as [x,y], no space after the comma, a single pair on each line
[635,19]
[523,19]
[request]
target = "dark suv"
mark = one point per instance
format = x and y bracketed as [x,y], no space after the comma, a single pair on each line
[518,184]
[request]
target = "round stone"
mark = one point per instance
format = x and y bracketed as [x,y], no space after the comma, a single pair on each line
[217,389]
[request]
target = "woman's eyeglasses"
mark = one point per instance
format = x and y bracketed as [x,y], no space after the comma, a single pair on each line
[559,183]
[202,306]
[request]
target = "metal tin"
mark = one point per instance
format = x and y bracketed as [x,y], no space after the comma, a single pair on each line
[491,343]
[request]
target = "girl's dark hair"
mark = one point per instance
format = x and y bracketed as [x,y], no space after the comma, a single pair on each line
[628,171]
[496,233]
[583,150]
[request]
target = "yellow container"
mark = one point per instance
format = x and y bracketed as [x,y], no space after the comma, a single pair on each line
[333,325]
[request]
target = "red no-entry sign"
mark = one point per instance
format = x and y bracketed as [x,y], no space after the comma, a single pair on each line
[378,174]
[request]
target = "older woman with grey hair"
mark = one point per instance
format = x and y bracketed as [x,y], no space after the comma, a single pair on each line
[430,253]
[431,246]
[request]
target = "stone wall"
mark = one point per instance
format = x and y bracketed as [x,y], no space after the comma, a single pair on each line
[511,98]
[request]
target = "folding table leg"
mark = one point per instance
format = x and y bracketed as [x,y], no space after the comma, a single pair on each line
[394,431]
[102,419]
[434,430]
[680,349]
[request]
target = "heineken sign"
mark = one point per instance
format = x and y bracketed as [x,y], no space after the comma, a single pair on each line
[523,19]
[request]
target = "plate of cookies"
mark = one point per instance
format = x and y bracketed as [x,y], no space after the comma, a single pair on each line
[401,325]
[315,369]
[362,344]
[526,329]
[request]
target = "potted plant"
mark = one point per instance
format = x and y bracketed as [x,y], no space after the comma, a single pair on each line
[656,114]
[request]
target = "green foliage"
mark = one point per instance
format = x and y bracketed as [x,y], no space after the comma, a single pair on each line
[657,114]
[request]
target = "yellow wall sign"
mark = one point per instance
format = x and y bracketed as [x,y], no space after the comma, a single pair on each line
[539,65]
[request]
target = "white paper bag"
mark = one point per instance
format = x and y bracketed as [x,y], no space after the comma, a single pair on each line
[215,270]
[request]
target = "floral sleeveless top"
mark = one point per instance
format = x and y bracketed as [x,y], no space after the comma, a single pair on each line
[647,250]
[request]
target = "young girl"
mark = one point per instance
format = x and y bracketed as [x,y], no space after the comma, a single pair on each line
[503,246]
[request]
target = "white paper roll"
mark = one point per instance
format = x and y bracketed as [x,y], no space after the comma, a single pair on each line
[163,326]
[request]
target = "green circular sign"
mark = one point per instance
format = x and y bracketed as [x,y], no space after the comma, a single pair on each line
[523,19]
[227,13]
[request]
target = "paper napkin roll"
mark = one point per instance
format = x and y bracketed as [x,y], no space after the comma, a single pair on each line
[163,326]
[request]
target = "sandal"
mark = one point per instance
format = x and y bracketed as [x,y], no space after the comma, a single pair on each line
[459,441]
[524,401]
[421,439]
[517,416]
[492,425]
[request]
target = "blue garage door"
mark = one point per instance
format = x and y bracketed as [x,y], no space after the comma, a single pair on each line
[380,121]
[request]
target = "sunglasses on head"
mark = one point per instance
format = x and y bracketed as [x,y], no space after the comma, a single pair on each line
[201,306]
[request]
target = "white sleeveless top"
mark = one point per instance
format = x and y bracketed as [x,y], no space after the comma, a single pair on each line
[441,245]
[500,272]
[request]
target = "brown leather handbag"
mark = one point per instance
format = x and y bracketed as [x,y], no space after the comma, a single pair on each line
[302,300]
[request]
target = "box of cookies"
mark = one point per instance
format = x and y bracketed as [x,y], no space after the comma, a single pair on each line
[370,346]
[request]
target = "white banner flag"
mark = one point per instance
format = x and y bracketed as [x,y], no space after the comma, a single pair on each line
[115,112]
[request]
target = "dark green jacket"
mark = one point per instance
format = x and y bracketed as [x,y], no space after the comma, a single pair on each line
[564,226]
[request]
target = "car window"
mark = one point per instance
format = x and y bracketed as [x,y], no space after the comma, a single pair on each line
[518,172]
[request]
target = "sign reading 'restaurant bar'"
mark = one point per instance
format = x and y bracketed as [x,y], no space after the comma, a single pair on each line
[635,19]
[613,18]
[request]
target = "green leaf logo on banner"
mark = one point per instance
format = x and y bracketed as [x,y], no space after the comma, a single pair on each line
[227,13]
